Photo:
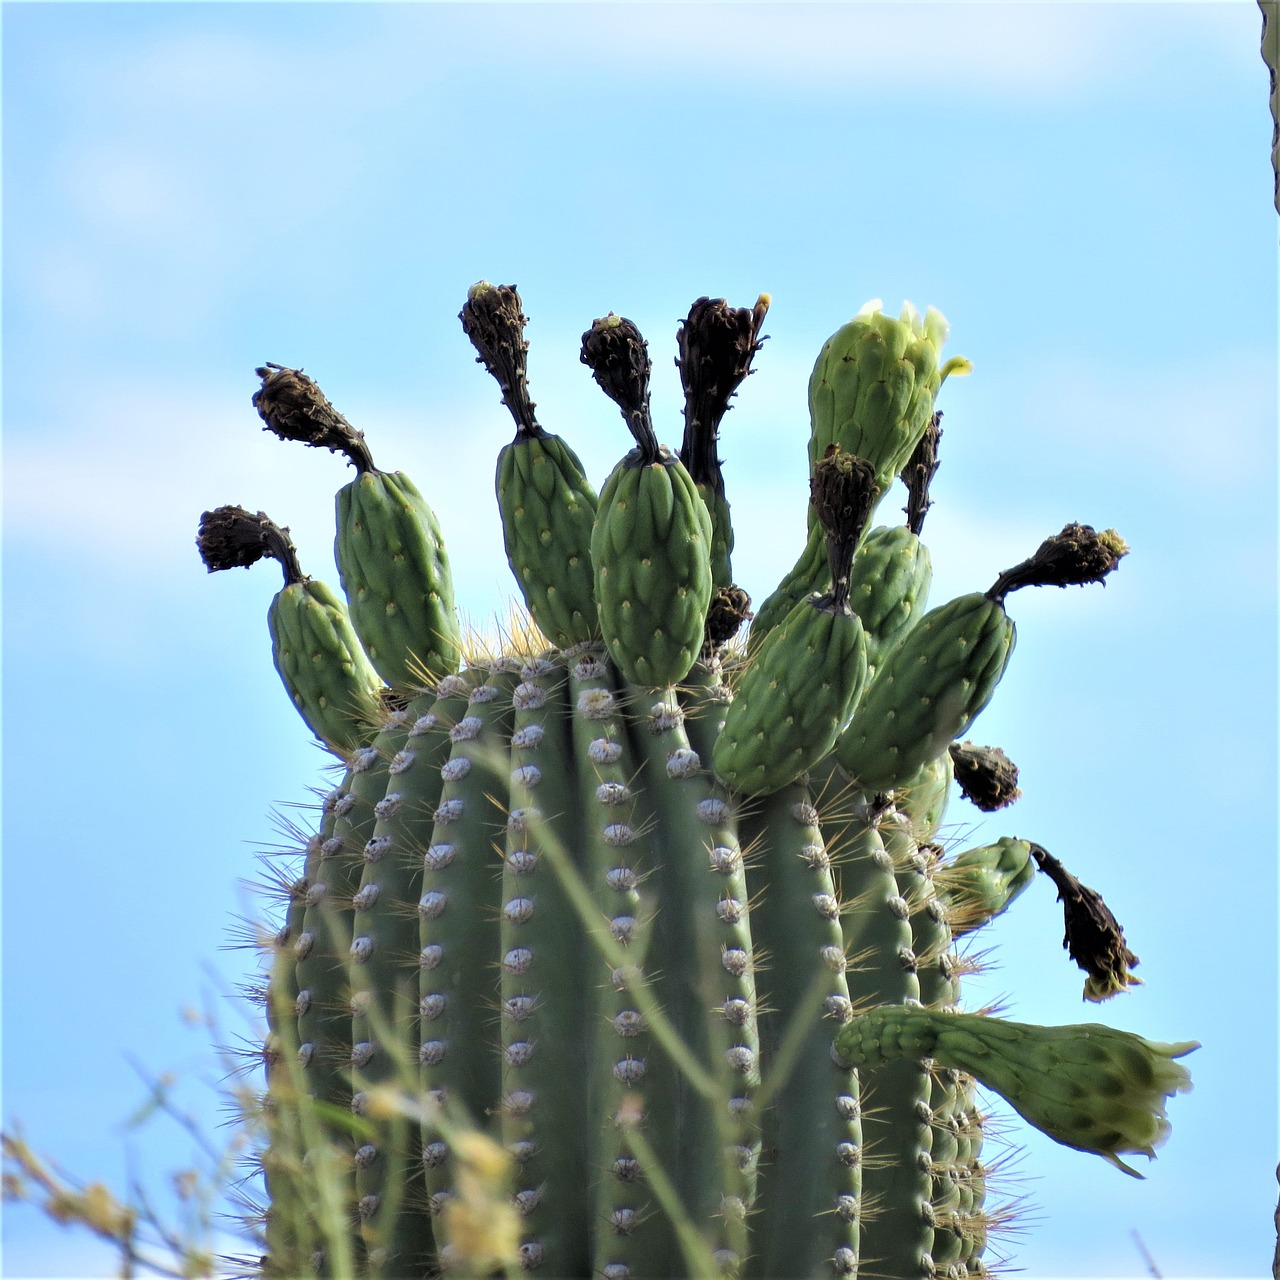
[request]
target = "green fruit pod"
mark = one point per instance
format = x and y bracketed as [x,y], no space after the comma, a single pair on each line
[801,686]
[650,552]
[548,511]
[892,571]
[547,506]
[395,572]
[317,654]
[935,683]
[322,664]
[651,542]
[793,699]
[888,587]
[390,553]
[928,692]
[979,884]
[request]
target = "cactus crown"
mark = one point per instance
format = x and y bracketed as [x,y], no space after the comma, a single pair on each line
[623,952]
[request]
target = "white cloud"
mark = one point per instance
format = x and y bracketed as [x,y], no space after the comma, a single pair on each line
[1033,50]
[393,54]
[118,479]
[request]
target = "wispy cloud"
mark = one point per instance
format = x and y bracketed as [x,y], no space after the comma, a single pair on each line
[117,478]
[376,56]
[1037,51]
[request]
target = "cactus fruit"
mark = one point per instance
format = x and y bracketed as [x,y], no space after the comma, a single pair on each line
[548,507]
[935,683]
[651,542]
[805,678]
[391,557]
[630,949]
[313,644]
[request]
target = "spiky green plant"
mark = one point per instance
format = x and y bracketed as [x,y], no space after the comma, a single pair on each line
[626,949]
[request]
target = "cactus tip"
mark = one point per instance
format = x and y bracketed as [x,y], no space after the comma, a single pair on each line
[293,407]
[1092,936]
[1076,556]
[618,357]
[493,319]
[717,343]
[233,537]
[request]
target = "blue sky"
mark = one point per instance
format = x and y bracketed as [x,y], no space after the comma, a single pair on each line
[1084,190]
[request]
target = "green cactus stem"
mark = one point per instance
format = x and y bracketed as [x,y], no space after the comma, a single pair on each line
[1087,1086]
[898,1119]
[633,1085]
[937,971]
[812,1166]
[544,1001]
[704,881]
[705,696]
[394,1218]
[321,950]
[287,1224]
[547,506]
[458,907]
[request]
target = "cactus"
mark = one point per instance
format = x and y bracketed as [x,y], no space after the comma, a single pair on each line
[1271,56]
[627,949]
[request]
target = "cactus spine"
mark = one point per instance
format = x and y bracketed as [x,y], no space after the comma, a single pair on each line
[630,950]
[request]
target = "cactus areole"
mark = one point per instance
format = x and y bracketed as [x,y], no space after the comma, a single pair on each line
[625,948]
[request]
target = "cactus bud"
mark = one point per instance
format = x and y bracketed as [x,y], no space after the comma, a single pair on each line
[1087,1086]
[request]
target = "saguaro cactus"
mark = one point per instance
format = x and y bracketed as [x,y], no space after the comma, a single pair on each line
[628,948]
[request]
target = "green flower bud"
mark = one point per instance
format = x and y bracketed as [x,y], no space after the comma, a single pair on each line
[979,884]
[1087,1086]
[873,386]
